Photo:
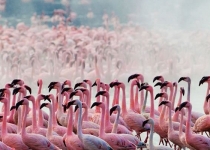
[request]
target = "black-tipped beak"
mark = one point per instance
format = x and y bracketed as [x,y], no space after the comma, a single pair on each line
[70,103]
[182,90]
[51,87]
[207,97]
[163,103]
[28,97]
[114,84]
[77,85]
[95,104]
[10,85]
[67,89]
[182,105]
[43,105]
[156,78]
[163,84]
[159,95]
[94,84]
[181,79]
[37,83]
[100,93]
[28,88]
[143,87]
[132,77]
[72,94]
[47,98]
[13,107]
[15,81]
[15,91]
[176,109]
[145,122]
[51,84]
[204,79]
[138,84]
[62,86]
[85,81]
[2,90]
[76,107]
[112,110]
[158,84]
[19,103]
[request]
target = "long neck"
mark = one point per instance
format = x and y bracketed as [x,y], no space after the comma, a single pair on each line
[53,111]
[136,99]
[151,136]
[102,131]
[170,128]
[11,115]
[79,124]
[188,94]
[50,126]
[115,94]
[152,104]
[124,110]
[19,115]
[132,97]
[23,131]
[115,125]
[8,104]
[143,106]
[85,114]
[34,123]
[181,122]
[180,99]
[60,109]
[97,110]
[188,127]
[174,97]
[88,98]
[4,124]
[70,122]
[40,118]
[90,94]
[107,116]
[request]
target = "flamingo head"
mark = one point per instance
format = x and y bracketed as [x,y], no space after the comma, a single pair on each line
[187,79]
[207,97]
[177,108]
[17,81]
[158,84]
[24,101]
[204,79]
[67,89]
[184,104]
[167,103]
[113,109]
[160,78]
[165,83]
[96,104]
[103,93]
[44,105]
[134,76]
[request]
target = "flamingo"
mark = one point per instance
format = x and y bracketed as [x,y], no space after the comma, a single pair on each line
[151,145]
[173,135]
[108,124]
[115,141]
[205,105]
[70,139]
[194,140]
[33,141]
[11,140]
[55,139]
[131,138]
[194,115]
[90,142]
[132,119]
[157,121]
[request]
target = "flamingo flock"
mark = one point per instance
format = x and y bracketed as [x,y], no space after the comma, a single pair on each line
[95,123]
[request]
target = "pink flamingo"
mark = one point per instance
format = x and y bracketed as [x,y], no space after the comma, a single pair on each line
[173,135]
[108,124]
[60,115]
[194,115]
[11,140]
[115,141]
[157,128]
[70,139]
[194,140]
[55,139]
[33,141]
[90,142]
[132,119]
[129,137]
[205,105]
[151,145]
